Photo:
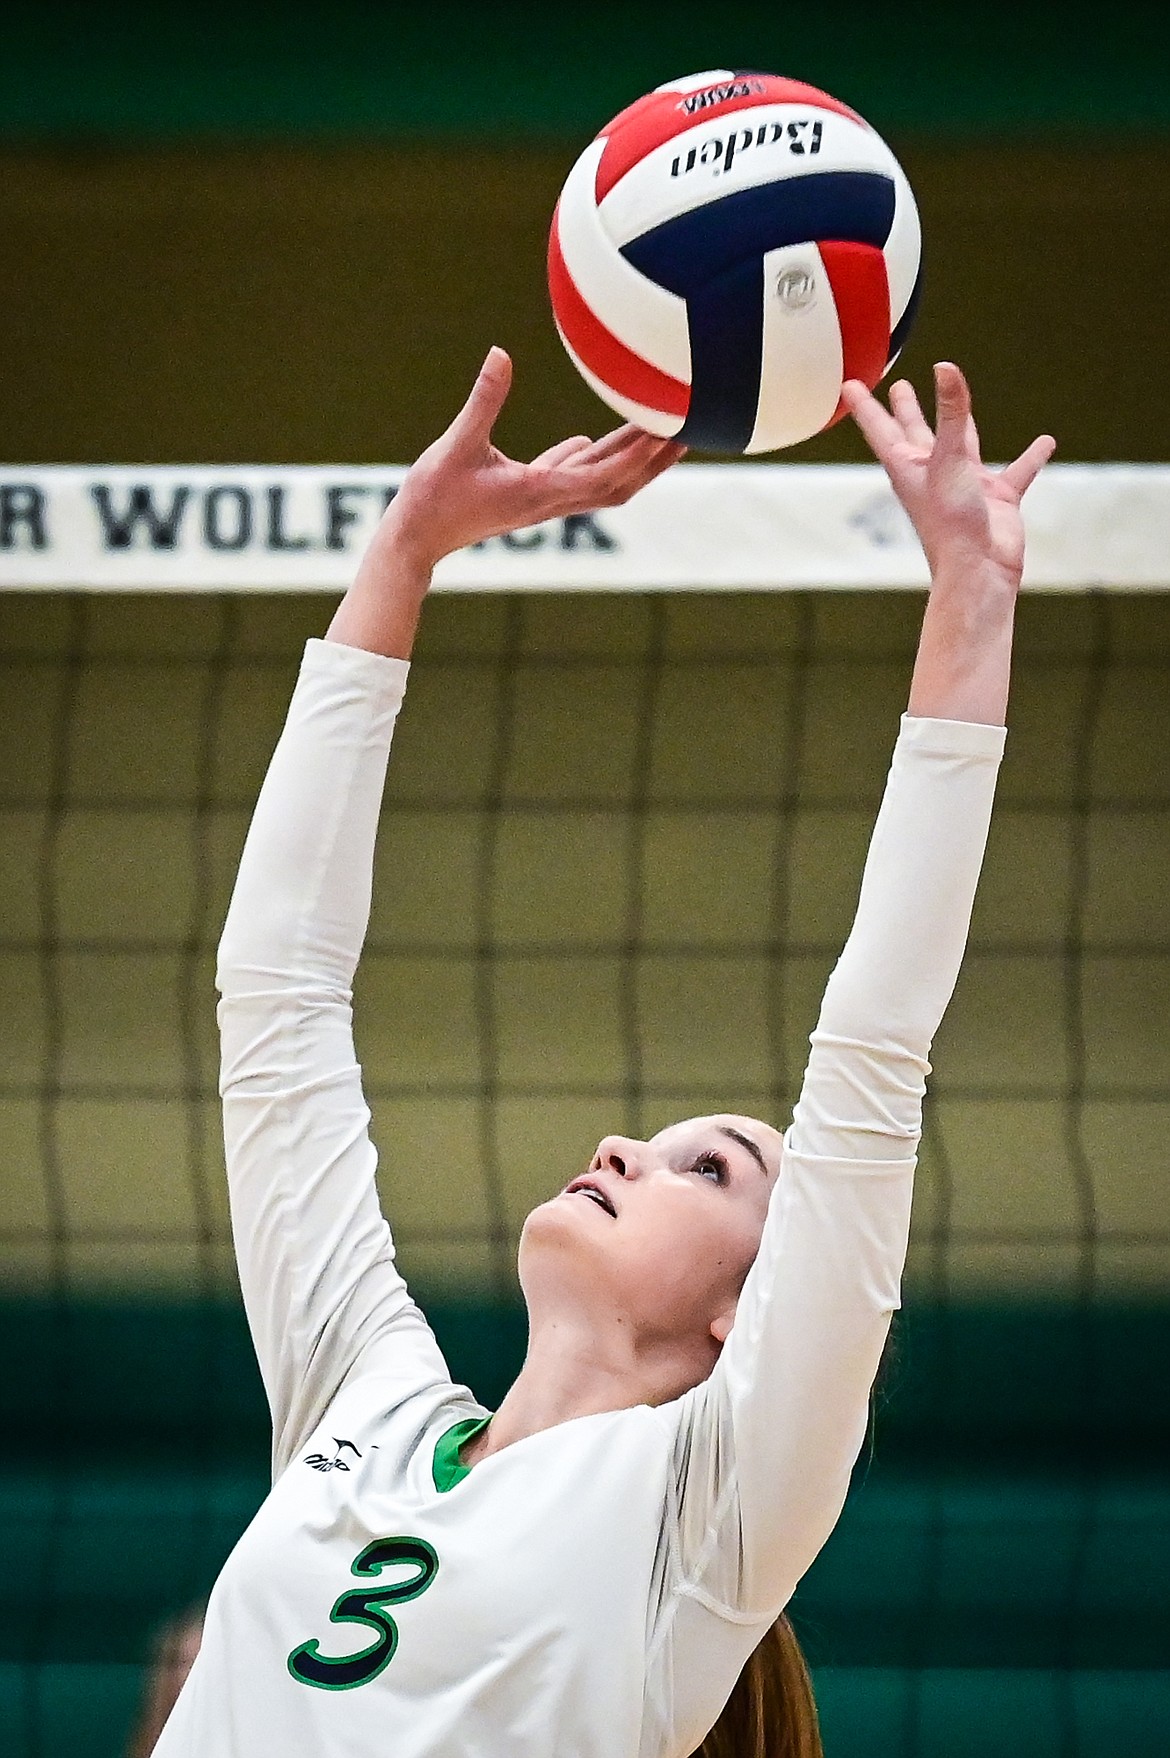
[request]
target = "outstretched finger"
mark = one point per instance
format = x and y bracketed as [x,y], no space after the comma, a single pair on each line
[566,449]
[619,441]
[1022,473]
[881,430]
[666,453]
[615,490]
[671,454]
[474,422]
[617,476]
[623,461]
[908,413]
[954,427]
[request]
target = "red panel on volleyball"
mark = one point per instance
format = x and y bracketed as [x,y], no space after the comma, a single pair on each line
[606,356]
[861,292]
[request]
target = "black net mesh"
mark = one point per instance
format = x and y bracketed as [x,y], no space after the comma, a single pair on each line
[620,850]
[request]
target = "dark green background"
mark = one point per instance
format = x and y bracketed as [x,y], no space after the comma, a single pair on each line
[521,71]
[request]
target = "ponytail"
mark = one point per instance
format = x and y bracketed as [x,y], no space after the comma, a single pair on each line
[771,1713]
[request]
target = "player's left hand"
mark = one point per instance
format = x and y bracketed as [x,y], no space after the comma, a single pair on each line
[966,515]
[463,489]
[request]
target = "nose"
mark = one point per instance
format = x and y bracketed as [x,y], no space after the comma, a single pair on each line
[620,1154]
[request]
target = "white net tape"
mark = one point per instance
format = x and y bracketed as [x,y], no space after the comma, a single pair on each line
[262,528]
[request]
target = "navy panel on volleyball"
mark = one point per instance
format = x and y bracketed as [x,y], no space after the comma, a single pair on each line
[726,253]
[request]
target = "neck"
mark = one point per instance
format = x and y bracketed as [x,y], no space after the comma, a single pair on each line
[572,1369]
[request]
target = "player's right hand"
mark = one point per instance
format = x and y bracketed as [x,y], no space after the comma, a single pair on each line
[463,489]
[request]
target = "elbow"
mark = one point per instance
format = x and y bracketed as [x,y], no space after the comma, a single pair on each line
[267,937]
[872,1063]
[231,964]
[890,1019]
[283,960]
[256,952]
[246,946]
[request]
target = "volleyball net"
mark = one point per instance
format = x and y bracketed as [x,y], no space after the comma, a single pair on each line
[624,827]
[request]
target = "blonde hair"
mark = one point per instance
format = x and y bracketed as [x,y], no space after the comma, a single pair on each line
[771,1712]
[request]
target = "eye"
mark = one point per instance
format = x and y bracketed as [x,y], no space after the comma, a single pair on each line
[712,1166]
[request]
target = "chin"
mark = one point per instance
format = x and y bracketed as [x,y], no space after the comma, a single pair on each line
[562,1262]
[559,1226]
[551,1220]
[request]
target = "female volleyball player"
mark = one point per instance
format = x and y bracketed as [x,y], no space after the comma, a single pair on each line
[585,1573]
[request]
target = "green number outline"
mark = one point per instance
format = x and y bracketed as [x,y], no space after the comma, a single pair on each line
[345,1672]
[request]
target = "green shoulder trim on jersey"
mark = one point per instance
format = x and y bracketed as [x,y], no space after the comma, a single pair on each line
[448,1468]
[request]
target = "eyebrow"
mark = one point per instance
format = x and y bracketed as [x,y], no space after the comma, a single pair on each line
[745,1141]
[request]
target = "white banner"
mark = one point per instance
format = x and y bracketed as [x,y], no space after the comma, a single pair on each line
[260,528]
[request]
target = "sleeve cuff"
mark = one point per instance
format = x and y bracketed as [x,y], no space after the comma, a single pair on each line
[376,673]
[952,738]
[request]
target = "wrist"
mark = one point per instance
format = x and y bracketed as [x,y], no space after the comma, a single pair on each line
[956,572]
[398,563]
[380,612]
[378,620]
[401,546]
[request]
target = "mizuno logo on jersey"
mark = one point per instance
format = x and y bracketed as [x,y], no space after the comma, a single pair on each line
[321,1461]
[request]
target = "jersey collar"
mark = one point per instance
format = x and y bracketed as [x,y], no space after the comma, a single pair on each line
[448,1468]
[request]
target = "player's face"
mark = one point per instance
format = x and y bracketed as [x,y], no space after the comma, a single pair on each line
[662,1231]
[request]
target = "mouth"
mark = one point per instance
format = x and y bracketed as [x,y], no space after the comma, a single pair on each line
[589,1188]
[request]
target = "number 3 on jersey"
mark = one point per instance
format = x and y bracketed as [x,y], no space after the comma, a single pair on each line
[367,1606]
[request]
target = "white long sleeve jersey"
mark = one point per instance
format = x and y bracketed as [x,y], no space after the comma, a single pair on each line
[591,1591]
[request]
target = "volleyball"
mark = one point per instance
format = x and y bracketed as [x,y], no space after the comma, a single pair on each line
[726,253]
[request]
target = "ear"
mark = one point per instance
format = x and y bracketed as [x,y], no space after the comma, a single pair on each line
[721,1324]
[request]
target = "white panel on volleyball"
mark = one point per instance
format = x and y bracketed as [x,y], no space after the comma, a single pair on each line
[649,319]
[903,248]
[661,186]
[653,420]
[801,364]
[694,82]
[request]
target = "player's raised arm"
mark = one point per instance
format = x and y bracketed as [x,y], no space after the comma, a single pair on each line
[788,1401]
[315,1255]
